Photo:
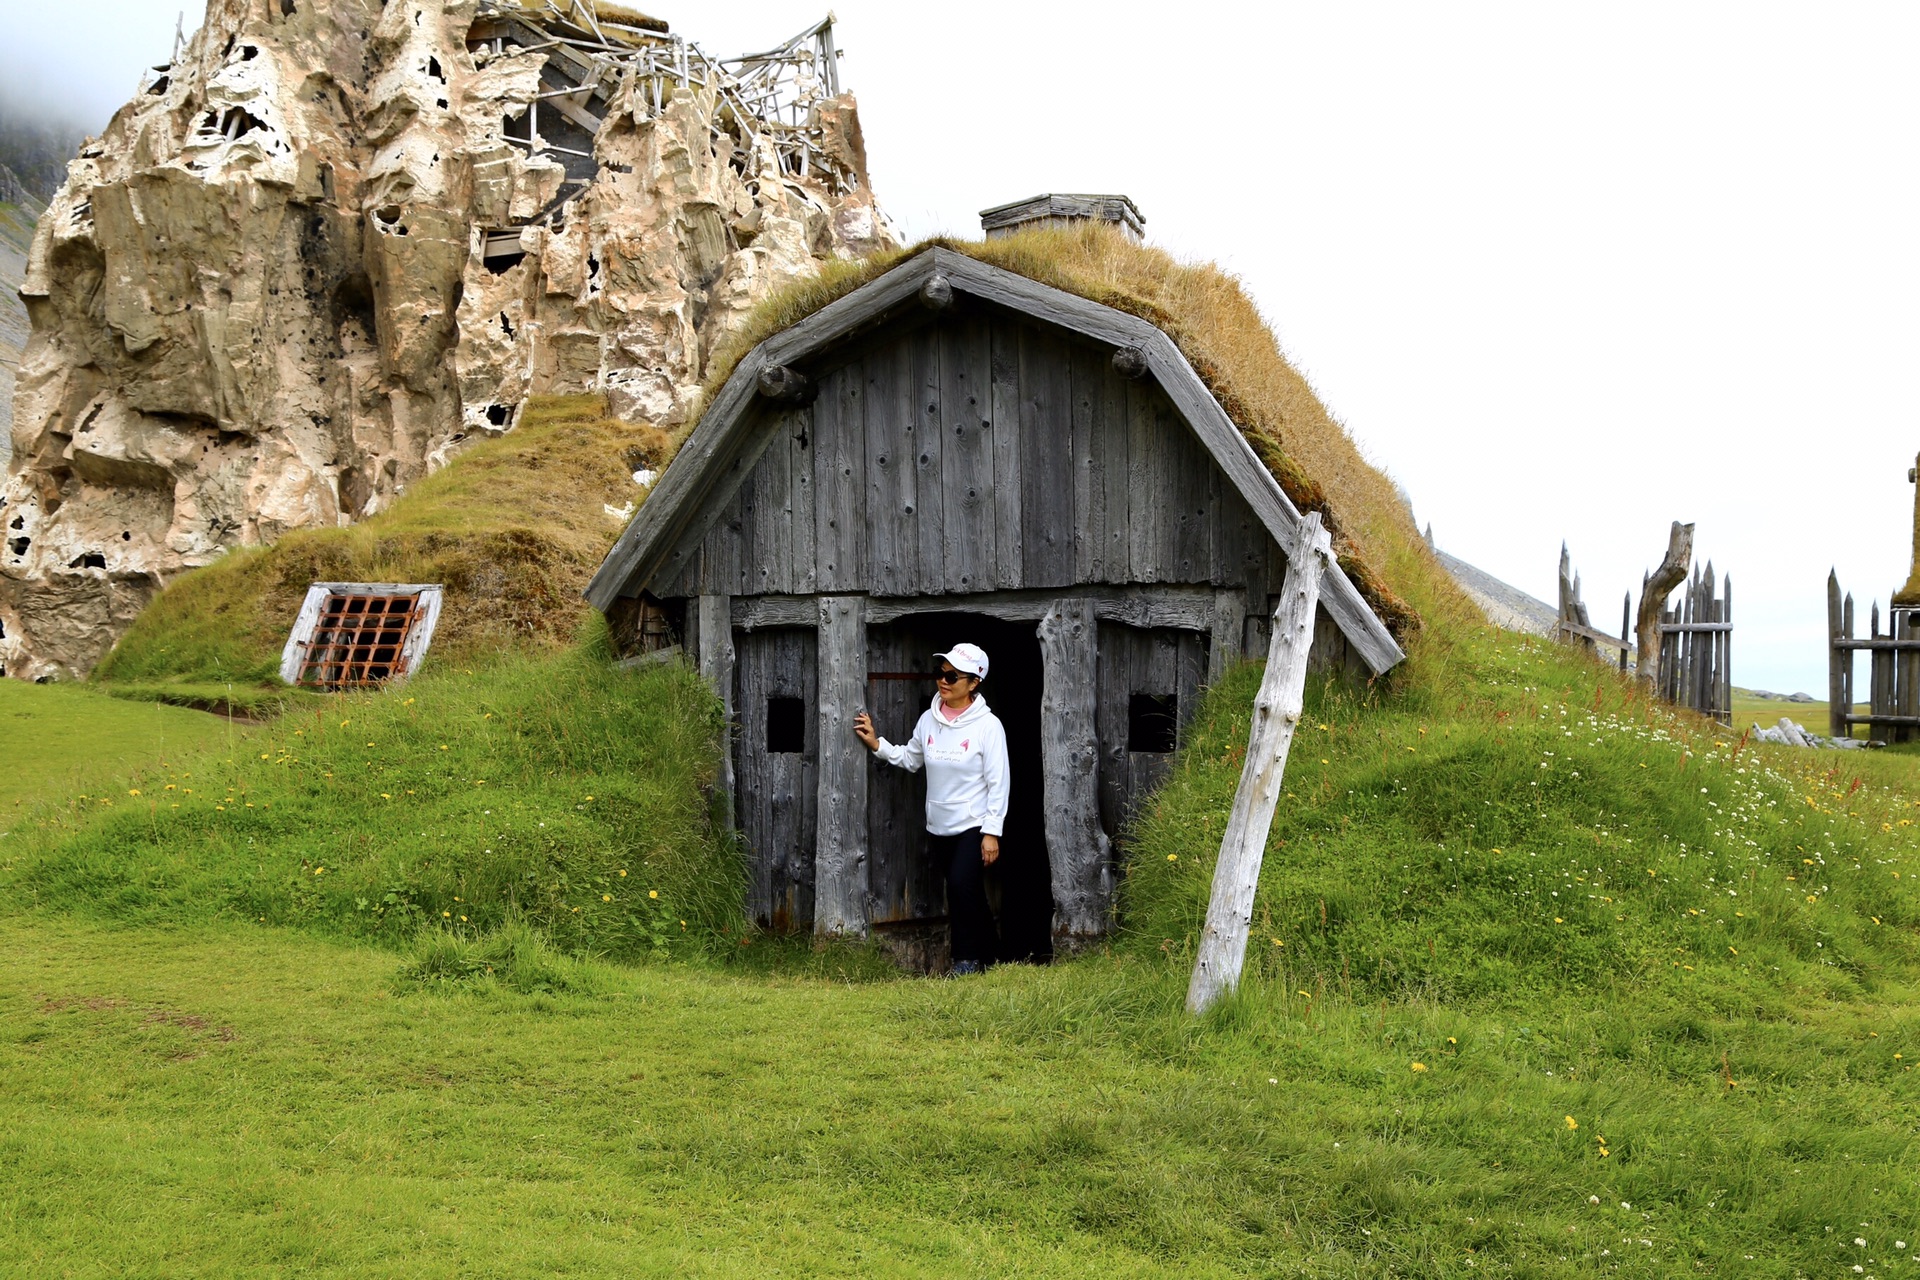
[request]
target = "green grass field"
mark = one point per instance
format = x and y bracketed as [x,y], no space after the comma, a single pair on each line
[59,737]
[1544,981]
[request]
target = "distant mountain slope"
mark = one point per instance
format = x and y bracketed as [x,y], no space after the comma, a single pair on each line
[34,152]
[1506,606]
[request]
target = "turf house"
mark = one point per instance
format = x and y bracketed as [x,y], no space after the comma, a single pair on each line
[953,450]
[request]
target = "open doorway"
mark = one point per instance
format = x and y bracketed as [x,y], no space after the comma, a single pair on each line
[908,890]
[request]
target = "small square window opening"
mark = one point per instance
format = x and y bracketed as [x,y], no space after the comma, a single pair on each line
[1153,722]
[786,726]
[359,636]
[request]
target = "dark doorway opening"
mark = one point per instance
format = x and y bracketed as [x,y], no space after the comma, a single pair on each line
[1020,885]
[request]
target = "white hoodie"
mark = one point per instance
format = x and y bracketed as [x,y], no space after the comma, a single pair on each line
[966,764]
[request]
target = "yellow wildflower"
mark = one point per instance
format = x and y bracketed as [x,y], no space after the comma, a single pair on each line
[1419,1066]
[653,893]
[1572,1123]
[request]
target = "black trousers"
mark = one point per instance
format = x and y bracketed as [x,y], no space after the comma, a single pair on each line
[969,918]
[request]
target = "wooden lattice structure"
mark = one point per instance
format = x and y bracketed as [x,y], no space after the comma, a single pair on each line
[359,635]
[773,100]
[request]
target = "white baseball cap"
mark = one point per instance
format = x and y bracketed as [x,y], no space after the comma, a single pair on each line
[968,658]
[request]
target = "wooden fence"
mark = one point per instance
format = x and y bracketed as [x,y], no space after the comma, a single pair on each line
[1696,647]
[1696,639]
[1893,702]
[1576,627]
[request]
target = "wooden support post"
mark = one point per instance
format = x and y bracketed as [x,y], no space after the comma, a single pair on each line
[1626,630]
[1276,713]
[714,615]
[1077,848]
[1838,660]
[840,856]
[1229,638]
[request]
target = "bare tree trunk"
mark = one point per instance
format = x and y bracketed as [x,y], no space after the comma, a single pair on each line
[1653,596]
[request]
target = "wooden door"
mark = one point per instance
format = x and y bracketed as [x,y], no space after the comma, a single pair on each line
[775,762]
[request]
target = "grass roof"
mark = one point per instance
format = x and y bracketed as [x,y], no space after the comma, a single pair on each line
[1220,331]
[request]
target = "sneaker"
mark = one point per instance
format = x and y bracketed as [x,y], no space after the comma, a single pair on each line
[961,967]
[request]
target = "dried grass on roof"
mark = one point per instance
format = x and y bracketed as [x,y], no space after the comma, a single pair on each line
[1209,316]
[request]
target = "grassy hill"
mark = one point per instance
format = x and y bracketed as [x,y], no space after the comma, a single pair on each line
[452,979]
[513,531]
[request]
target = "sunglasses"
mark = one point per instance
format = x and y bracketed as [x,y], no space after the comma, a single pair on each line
[948,676]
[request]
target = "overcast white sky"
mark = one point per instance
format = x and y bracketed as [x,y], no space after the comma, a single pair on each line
[1565,271]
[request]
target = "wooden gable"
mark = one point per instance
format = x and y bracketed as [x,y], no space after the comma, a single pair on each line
[980,452]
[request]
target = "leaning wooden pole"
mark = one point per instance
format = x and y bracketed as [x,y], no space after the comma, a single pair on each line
[1276,713]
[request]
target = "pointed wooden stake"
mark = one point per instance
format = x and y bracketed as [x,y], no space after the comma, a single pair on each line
[1276,713]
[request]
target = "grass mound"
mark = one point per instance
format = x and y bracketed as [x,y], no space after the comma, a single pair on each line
[1534,828]
[513,528]
[553,791]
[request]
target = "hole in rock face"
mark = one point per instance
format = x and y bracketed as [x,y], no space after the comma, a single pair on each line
[159,87]
[238,122]
[433,69]
[442,104]
[288,8]
[506,325]
[88,560]
[126,535]
[498,414]
[19,522]
[19,546]
[249,52]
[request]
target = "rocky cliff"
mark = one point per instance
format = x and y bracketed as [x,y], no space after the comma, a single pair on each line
[334,239]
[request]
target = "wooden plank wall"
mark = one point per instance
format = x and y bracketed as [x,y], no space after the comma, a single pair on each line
[1132,660]
[776,793]
[981,453]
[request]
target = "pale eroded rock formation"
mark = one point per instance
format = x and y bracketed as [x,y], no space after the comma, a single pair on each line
[335,238]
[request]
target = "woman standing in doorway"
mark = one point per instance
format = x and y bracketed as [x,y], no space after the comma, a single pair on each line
[963,748]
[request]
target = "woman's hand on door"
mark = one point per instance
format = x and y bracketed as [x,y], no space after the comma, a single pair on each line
[863,730]
[989,850]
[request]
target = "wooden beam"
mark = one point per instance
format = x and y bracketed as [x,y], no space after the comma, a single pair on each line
[786,385]
[714,622]
[937,293]
[840,858]
[1276,713]
[1181,607]
[1229,633]
[576,113]
[1077,848]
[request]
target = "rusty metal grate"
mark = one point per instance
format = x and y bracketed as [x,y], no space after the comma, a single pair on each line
[358,640]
